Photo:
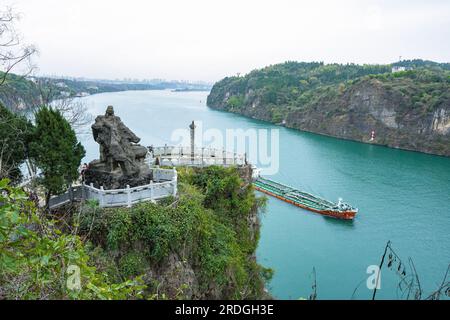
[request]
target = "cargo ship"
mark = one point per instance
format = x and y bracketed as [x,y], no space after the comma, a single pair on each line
[340,210]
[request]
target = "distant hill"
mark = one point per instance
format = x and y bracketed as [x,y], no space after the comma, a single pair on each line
[418,63]
[19,93]
[408,109]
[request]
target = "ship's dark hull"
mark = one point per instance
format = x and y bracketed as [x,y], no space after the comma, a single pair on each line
[345,215]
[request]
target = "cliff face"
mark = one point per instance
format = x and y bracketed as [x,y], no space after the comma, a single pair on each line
[19,94]
[404,112]
[178,273]
[370,106]
[198,246]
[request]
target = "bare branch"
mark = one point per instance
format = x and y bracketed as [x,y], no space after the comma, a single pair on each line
[12,52]
[75,112]
[73,109]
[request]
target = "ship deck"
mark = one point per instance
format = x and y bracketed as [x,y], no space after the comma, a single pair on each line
[303,199]
[294,194]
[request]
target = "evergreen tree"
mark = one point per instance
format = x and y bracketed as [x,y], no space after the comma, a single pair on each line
[55,150]
[15,132]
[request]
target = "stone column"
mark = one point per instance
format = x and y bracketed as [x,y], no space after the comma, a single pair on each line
[192,130]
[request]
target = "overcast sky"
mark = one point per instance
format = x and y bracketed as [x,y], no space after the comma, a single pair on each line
[210,39]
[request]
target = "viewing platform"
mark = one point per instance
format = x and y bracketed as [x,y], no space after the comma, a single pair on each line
[176,156]
[127,172]
[163,185]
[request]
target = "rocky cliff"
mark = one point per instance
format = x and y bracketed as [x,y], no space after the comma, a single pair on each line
[19,94]
[408,110]
[200,245]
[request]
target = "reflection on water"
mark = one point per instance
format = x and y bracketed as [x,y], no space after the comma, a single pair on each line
[402,196]
[341,223]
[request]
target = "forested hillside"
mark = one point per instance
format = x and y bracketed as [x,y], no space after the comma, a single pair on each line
[200,245]
[18,93]
[21,93]
[408,109]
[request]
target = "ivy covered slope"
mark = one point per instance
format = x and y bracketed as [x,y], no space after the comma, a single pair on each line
[408,109]
[40,261]
[198,246]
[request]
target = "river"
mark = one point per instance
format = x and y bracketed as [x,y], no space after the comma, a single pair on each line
[402,196]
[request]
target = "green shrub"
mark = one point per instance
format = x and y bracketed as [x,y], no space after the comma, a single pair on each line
[207,225]
[132,264]
[39,261]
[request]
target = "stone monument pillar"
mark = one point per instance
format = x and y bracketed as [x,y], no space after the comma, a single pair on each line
[192,127]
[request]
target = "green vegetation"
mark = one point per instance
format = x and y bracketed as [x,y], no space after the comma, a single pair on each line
[15,134]
[348,101]
[299,84]
[50,145]
[206,230]
[426,89]
[17,93]
[40,261]
[55,150]
[20,94]
[419,63]
[199,245]
[287,83]
[235,102]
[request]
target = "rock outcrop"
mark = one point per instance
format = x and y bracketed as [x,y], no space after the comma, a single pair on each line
[403,112]
[189,247]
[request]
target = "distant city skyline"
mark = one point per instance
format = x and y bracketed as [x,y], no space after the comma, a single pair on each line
[202,40]
[124,79]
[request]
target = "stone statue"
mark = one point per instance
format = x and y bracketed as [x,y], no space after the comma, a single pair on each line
[121,158]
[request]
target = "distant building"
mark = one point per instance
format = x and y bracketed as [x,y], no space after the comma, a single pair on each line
[398,69]
[61,84]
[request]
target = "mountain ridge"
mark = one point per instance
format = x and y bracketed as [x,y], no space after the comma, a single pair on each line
[19,93]
[407,109]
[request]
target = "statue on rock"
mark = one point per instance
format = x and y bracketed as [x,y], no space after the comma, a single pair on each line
[121,158]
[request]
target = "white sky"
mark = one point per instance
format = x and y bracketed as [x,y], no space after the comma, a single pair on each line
[210,39]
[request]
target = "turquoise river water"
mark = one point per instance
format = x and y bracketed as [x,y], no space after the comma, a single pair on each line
[402,196]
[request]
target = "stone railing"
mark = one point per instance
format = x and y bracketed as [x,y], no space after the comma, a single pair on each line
[164,184]
[74,193]
[182,156]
